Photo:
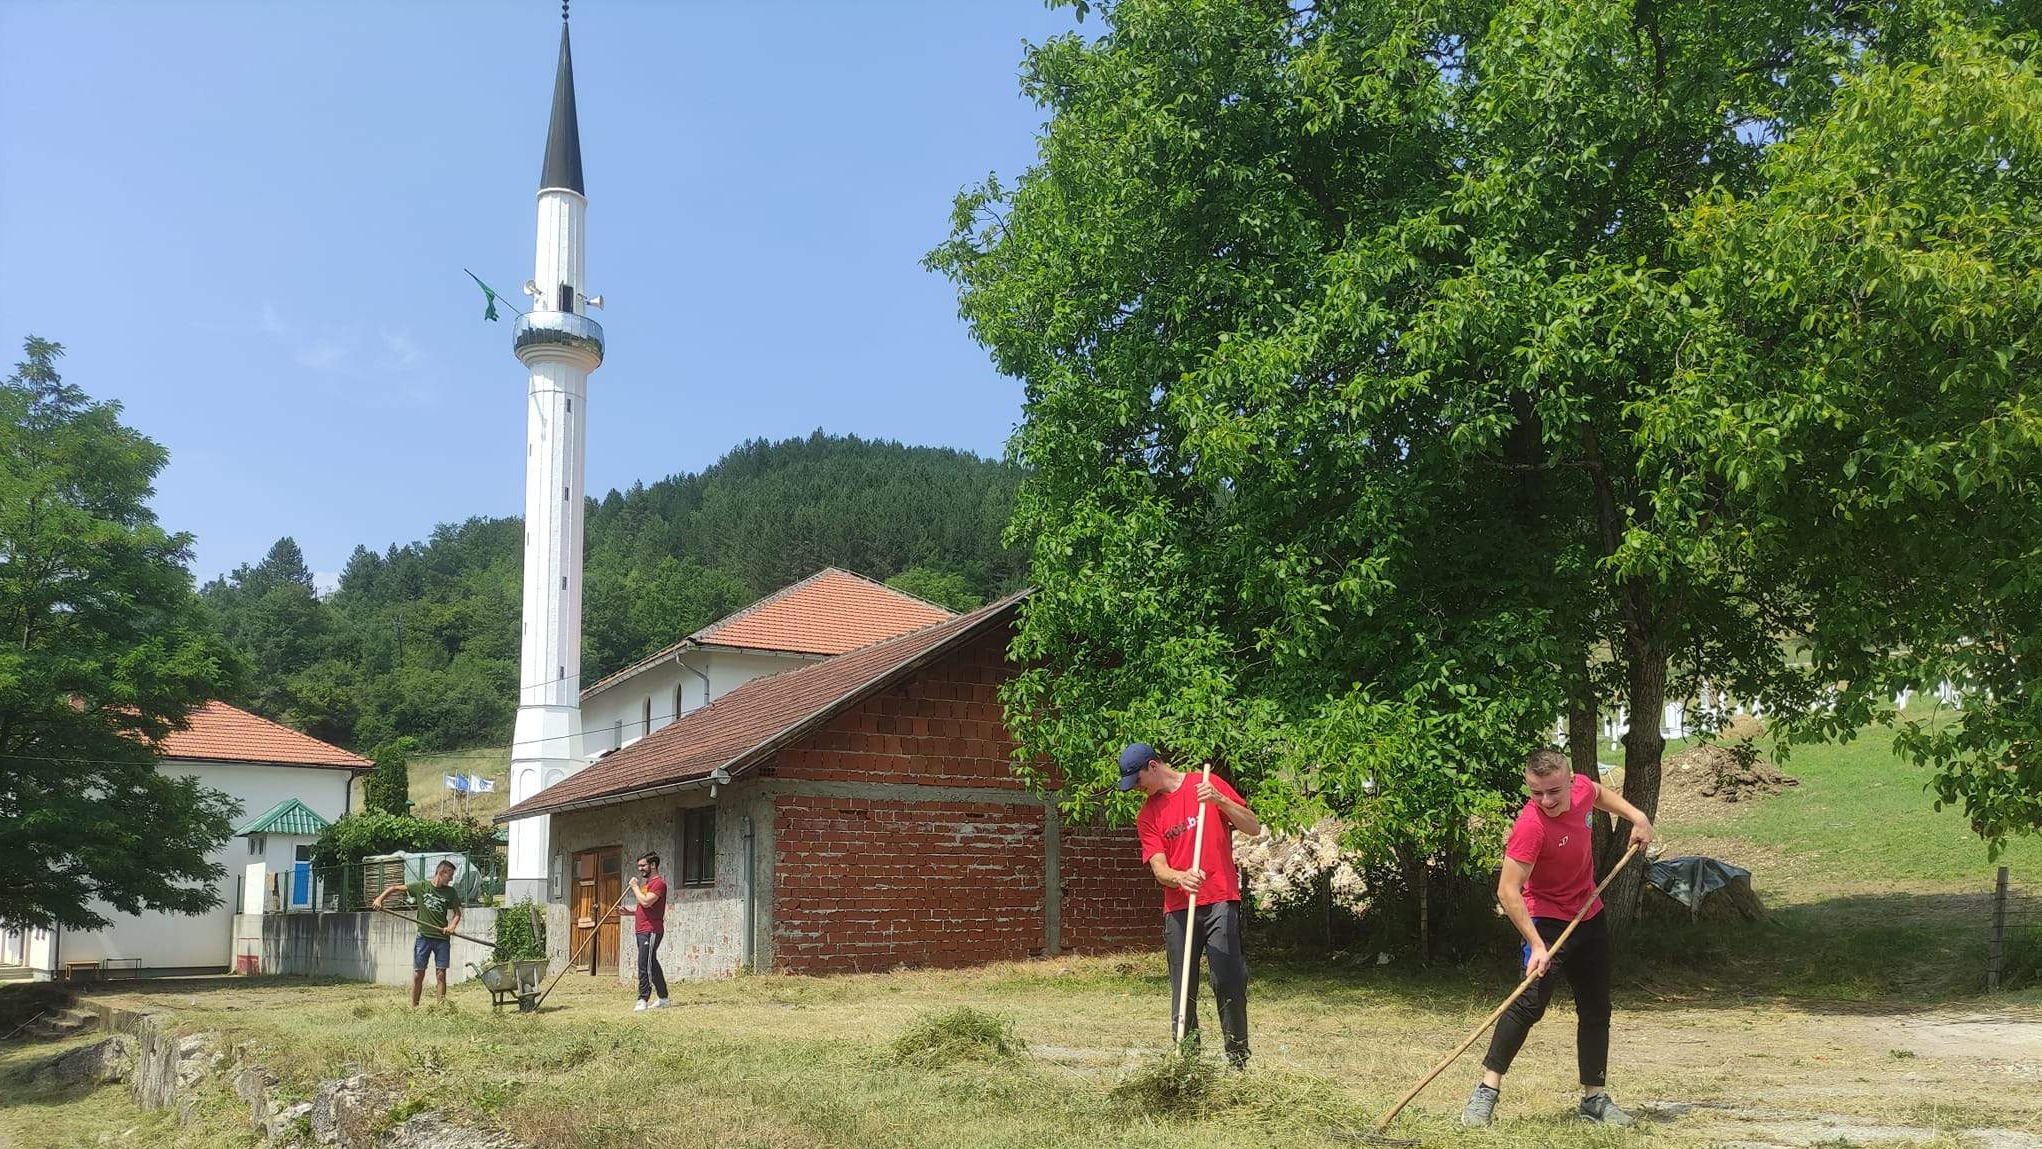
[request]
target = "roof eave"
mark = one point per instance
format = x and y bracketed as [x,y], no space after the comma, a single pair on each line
[745,761]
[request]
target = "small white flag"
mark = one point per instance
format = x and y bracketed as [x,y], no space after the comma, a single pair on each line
[480,784]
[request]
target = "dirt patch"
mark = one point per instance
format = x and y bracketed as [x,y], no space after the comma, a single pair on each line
[1697,783]
[2014,1042]
[1758,1128]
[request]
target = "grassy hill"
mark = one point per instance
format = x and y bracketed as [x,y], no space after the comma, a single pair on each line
[431,798]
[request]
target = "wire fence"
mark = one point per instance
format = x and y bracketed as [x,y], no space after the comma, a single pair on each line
[478,880]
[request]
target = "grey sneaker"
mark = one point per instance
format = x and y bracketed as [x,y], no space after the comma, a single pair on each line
[1597,1107]
[1481,1107]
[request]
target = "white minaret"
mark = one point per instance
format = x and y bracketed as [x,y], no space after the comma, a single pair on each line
[559,345]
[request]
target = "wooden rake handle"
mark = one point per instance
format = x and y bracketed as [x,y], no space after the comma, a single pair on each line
[1384,1122]
[442,929]
[593,933]
[1191,921]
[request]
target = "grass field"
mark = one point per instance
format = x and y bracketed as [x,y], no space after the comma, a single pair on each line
[1850,1017]
[429,794]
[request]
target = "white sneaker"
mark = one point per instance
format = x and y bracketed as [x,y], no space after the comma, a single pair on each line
[639,1007]
[662,1003]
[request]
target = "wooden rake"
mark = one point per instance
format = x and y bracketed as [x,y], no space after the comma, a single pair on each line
[1376,1133]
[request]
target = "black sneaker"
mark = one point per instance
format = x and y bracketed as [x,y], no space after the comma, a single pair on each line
[1481,1107]
[1597,1107]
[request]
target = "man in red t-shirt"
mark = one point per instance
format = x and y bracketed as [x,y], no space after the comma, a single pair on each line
[1165,827]
[1548,875]
[647,900]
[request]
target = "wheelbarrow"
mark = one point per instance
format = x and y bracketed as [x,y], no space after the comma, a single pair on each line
[512,981]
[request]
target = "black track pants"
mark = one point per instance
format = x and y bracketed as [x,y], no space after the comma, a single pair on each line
[1219,939]
[650,976]
[1586,962]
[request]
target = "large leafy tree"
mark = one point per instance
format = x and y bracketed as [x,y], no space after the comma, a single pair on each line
[1865,398]
[103,649]
[1343,328]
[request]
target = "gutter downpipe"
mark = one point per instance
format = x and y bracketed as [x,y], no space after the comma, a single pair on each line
[750,851]
[698,674]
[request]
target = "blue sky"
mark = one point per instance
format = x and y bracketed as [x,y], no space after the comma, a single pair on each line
[247,222]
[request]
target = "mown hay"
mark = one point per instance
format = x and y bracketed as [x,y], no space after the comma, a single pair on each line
[1177,1082]
[954,1035]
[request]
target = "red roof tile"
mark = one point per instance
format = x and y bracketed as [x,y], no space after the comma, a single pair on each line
[830,612]
[755,719]
[217,732]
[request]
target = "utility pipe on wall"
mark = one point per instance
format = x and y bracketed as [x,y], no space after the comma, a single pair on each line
[750,953]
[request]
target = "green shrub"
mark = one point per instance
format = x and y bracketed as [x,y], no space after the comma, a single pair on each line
[520,932]
[961,1034]
[358,836]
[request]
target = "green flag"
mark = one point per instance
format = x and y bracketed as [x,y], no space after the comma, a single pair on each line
[488,295]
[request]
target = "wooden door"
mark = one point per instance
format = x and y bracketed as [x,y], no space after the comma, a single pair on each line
[598,885]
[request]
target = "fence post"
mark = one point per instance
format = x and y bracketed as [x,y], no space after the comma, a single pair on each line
[1995,949]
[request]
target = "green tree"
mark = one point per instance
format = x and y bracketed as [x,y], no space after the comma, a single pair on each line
[1338,325]
[271,613]
[388,787]
[944,588]
[103,649]
[1864,398]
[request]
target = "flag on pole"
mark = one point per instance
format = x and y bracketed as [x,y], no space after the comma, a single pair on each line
[458,782]
[488,296]
[480,785]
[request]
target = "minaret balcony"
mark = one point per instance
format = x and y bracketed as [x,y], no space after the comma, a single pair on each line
[539,330]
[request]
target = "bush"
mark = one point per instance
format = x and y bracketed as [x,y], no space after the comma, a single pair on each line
[520,932]
[961,1034]
[388,788]
[357,836]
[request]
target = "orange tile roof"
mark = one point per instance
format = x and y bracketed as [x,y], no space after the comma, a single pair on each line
[756,719]
[217,732]
[830,612]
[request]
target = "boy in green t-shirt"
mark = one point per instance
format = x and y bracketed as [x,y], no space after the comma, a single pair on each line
[439,911]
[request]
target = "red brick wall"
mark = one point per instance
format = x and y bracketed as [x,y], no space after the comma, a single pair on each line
[871,883]
[938,727]
[1110,900]
[866,885]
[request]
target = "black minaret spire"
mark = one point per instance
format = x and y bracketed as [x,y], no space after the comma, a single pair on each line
[563,137]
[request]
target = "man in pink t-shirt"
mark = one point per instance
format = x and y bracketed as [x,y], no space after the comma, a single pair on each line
[1548,876]
[1165,827]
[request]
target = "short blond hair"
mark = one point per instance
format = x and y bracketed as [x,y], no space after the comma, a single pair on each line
[1545,763]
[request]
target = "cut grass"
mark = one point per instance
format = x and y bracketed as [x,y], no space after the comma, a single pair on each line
[955,1035]
[1795,1013]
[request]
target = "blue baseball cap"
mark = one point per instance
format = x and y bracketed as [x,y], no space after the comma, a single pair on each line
[1133,761]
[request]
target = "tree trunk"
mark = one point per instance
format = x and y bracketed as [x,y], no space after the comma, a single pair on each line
[1644,749]
[1424,913]
[1581,721]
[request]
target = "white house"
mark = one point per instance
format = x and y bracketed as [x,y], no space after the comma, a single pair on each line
[828,613]
[290,786]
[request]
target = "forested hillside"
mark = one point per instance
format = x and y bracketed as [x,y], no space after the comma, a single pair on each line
[421,640]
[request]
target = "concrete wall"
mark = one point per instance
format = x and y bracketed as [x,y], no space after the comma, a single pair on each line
[204,942]
[704,924]
[625,700]
[360,947]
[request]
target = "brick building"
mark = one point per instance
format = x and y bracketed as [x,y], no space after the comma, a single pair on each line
[855,814]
